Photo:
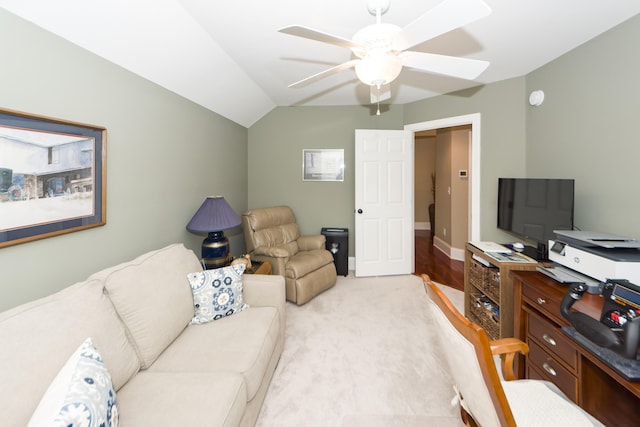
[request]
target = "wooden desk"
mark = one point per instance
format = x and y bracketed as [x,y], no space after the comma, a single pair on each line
[554,357]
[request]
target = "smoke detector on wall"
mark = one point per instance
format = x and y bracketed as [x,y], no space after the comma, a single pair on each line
[536,98]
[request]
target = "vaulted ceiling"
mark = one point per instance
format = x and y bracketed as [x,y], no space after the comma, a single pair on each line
[229,57]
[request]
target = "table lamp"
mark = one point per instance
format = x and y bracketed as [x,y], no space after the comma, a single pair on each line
[214,216]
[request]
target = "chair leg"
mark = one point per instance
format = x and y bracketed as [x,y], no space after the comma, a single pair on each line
[466,418]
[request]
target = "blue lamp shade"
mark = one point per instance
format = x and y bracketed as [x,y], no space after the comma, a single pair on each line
[214,216]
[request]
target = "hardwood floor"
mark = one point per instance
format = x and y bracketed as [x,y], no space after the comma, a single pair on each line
[438,266]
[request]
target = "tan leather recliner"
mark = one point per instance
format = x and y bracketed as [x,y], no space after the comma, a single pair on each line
[272,234]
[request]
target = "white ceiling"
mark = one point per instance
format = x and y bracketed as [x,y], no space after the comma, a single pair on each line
[228,57]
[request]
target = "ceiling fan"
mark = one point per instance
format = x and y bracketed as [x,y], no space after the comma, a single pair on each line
[381,50]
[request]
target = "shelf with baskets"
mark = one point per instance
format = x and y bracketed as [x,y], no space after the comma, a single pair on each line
[488,291]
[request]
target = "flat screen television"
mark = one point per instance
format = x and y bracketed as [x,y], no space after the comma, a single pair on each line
[532,208]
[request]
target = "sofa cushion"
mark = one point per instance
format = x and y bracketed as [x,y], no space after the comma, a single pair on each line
[217,293]
[549,407]
[241,343]
[272,226]
[276,236]
[38,337]
[305,262]
[303,289]
[311,241]
[82,394]
[153,298]
[183,399]
[282,251]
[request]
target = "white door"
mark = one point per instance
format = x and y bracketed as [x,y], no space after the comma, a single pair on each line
[384,202]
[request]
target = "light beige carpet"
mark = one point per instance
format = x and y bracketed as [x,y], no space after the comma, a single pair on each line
[362,354]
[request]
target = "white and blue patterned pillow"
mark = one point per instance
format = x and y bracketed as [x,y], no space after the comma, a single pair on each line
[82,394]
[217,293]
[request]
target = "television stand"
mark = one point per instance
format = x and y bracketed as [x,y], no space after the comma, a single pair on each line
[488,291]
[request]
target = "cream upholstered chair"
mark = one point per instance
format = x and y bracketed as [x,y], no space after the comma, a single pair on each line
[486,400]
[272,234]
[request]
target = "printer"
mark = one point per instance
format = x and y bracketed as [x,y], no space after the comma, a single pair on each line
[592,258]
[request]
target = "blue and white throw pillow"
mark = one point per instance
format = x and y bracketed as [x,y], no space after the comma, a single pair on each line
[217,293]
[82,394]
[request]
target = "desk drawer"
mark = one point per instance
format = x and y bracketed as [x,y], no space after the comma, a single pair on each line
[542,301]
[551,339]
[541,365]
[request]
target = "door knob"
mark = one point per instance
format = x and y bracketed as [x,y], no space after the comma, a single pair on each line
[359,211]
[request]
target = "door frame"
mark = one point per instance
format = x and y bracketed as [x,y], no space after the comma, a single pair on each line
[474,176]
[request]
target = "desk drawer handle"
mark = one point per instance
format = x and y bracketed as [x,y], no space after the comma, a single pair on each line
[549,369]
[549,340]
[541,301]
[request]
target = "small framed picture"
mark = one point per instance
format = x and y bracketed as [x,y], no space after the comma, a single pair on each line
[323,165]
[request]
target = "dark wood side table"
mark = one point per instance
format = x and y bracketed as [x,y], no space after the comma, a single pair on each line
[555,357]
[259,267]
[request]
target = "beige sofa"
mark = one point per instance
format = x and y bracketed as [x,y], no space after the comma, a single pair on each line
[165,371]
[272,234]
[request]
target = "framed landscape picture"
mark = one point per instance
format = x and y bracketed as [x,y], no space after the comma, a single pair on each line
[52,177]
[323,165]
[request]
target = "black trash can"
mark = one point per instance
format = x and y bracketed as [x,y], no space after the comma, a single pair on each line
[338,244]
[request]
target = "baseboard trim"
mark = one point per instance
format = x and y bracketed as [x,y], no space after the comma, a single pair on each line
[447,249]
[422,226]
[457,254]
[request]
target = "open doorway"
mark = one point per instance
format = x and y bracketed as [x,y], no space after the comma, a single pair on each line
[441,186]
[425,179]
[474,162]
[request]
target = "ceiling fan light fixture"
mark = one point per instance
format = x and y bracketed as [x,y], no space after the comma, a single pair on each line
[381,49]
[378,68]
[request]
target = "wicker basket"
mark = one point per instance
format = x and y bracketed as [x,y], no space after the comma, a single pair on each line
[485,279]
[479,314]
[492,284]
[476,273]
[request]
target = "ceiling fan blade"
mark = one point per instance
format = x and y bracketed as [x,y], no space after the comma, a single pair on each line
[447,16]
[463,68]
[381,94]
[325,73]
[310,33]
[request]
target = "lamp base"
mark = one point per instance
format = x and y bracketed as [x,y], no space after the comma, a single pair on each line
[215,250]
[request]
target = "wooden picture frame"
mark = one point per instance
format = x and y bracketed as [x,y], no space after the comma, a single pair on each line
[52,177]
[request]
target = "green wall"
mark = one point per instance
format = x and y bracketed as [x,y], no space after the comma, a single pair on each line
[277,140]
[275,162]
[502,134]
[164,156]
[588,128]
